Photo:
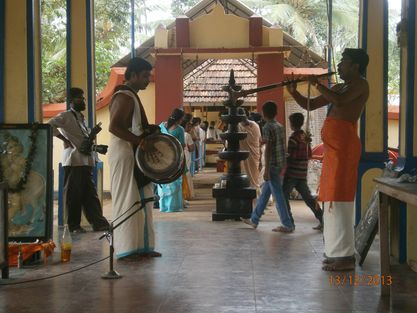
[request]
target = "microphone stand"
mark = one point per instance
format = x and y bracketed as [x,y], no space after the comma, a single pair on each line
[109,235]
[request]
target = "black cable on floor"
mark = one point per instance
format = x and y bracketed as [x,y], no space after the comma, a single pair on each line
[53,276]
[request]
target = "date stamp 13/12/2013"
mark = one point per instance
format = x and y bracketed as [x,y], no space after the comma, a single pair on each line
[360,280]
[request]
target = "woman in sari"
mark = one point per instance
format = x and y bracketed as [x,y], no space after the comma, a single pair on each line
[171,199]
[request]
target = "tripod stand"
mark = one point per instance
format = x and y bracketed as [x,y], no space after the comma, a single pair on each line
[109,235]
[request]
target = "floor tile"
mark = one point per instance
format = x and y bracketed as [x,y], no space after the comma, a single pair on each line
[207,267]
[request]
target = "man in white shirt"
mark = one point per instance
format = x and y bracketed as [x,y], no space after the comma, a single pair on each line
[79,189]
[212,132]
[202,133]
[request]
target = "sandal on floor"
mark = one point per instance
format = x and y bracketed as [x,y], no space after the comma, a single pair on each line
[318,227]
[283,229]
[338,266]
[327,261]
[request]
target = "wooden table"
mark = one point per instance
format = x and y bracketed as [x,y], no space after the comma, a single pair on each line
[390,189]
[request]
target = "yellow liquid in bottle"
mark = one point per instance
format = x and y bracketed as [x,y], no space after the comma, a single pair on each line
[66,252]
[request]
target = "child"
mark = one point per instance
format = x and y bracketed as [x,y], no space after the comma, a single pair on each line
[273,136]
[299,151]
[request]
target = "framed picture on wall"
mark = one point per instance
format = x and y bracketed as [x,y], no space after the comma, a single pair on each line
[3,231]
[26,167]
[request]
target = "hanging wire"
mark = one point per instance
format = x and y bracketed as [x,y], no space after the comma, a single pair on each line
[53,276]
[132,28]
[330,55]
[308,113]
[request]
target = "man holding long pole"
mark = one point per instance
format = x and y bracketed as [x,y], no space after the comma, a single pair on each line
[342,150]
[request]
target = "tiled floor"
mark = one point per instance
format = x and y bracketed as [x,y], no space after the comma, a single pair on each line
[208,267]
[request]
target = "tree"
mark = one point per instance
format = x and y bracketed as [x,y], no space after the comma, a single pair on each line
[393,55]
[179,7]
[113,31]
[53,43]
[112,35]
[258,6]
[307,20]
[345,26]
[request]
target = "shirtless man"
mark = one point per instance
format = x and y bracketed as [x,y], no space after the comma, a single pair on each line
[342,150]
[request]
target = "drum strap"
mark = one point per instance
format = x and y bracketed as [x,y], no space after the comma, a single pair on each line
[141,179]
[144,119]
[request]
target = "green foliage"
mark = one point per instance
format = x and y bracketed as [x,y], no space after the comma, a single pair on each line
[305,20]
[393,54]
[179,7]
[113,31]
[112,35]
[258,6]
[53,43]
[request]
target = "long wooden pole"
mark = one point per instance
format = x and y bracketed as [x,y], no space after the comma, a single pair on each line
[244,93]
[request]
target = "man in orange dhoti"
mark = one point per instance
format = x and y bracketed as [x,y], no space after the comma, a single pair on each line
[342,151]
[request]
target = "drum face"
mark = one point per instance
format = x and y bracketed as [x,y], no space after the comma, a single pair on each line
[164,161]
[164,165]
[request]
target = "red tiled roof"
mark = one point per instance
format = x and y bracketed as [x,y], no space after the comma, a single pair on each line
[204,84]
[116,78]
[393,112]
[52,109]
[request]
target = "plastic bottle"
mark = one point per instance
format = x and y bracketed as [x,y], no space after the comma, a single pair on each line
[66,245]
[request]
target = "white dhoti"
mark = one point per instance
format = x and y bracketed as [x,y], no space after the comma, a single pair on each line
[338,229]
[137,233]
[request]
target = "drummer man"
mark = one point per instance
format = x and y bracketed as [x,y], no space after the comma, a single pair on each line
[135,238]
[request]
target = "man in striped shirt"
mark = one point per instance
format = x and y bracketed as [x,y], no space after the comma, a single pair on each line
[299,151]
